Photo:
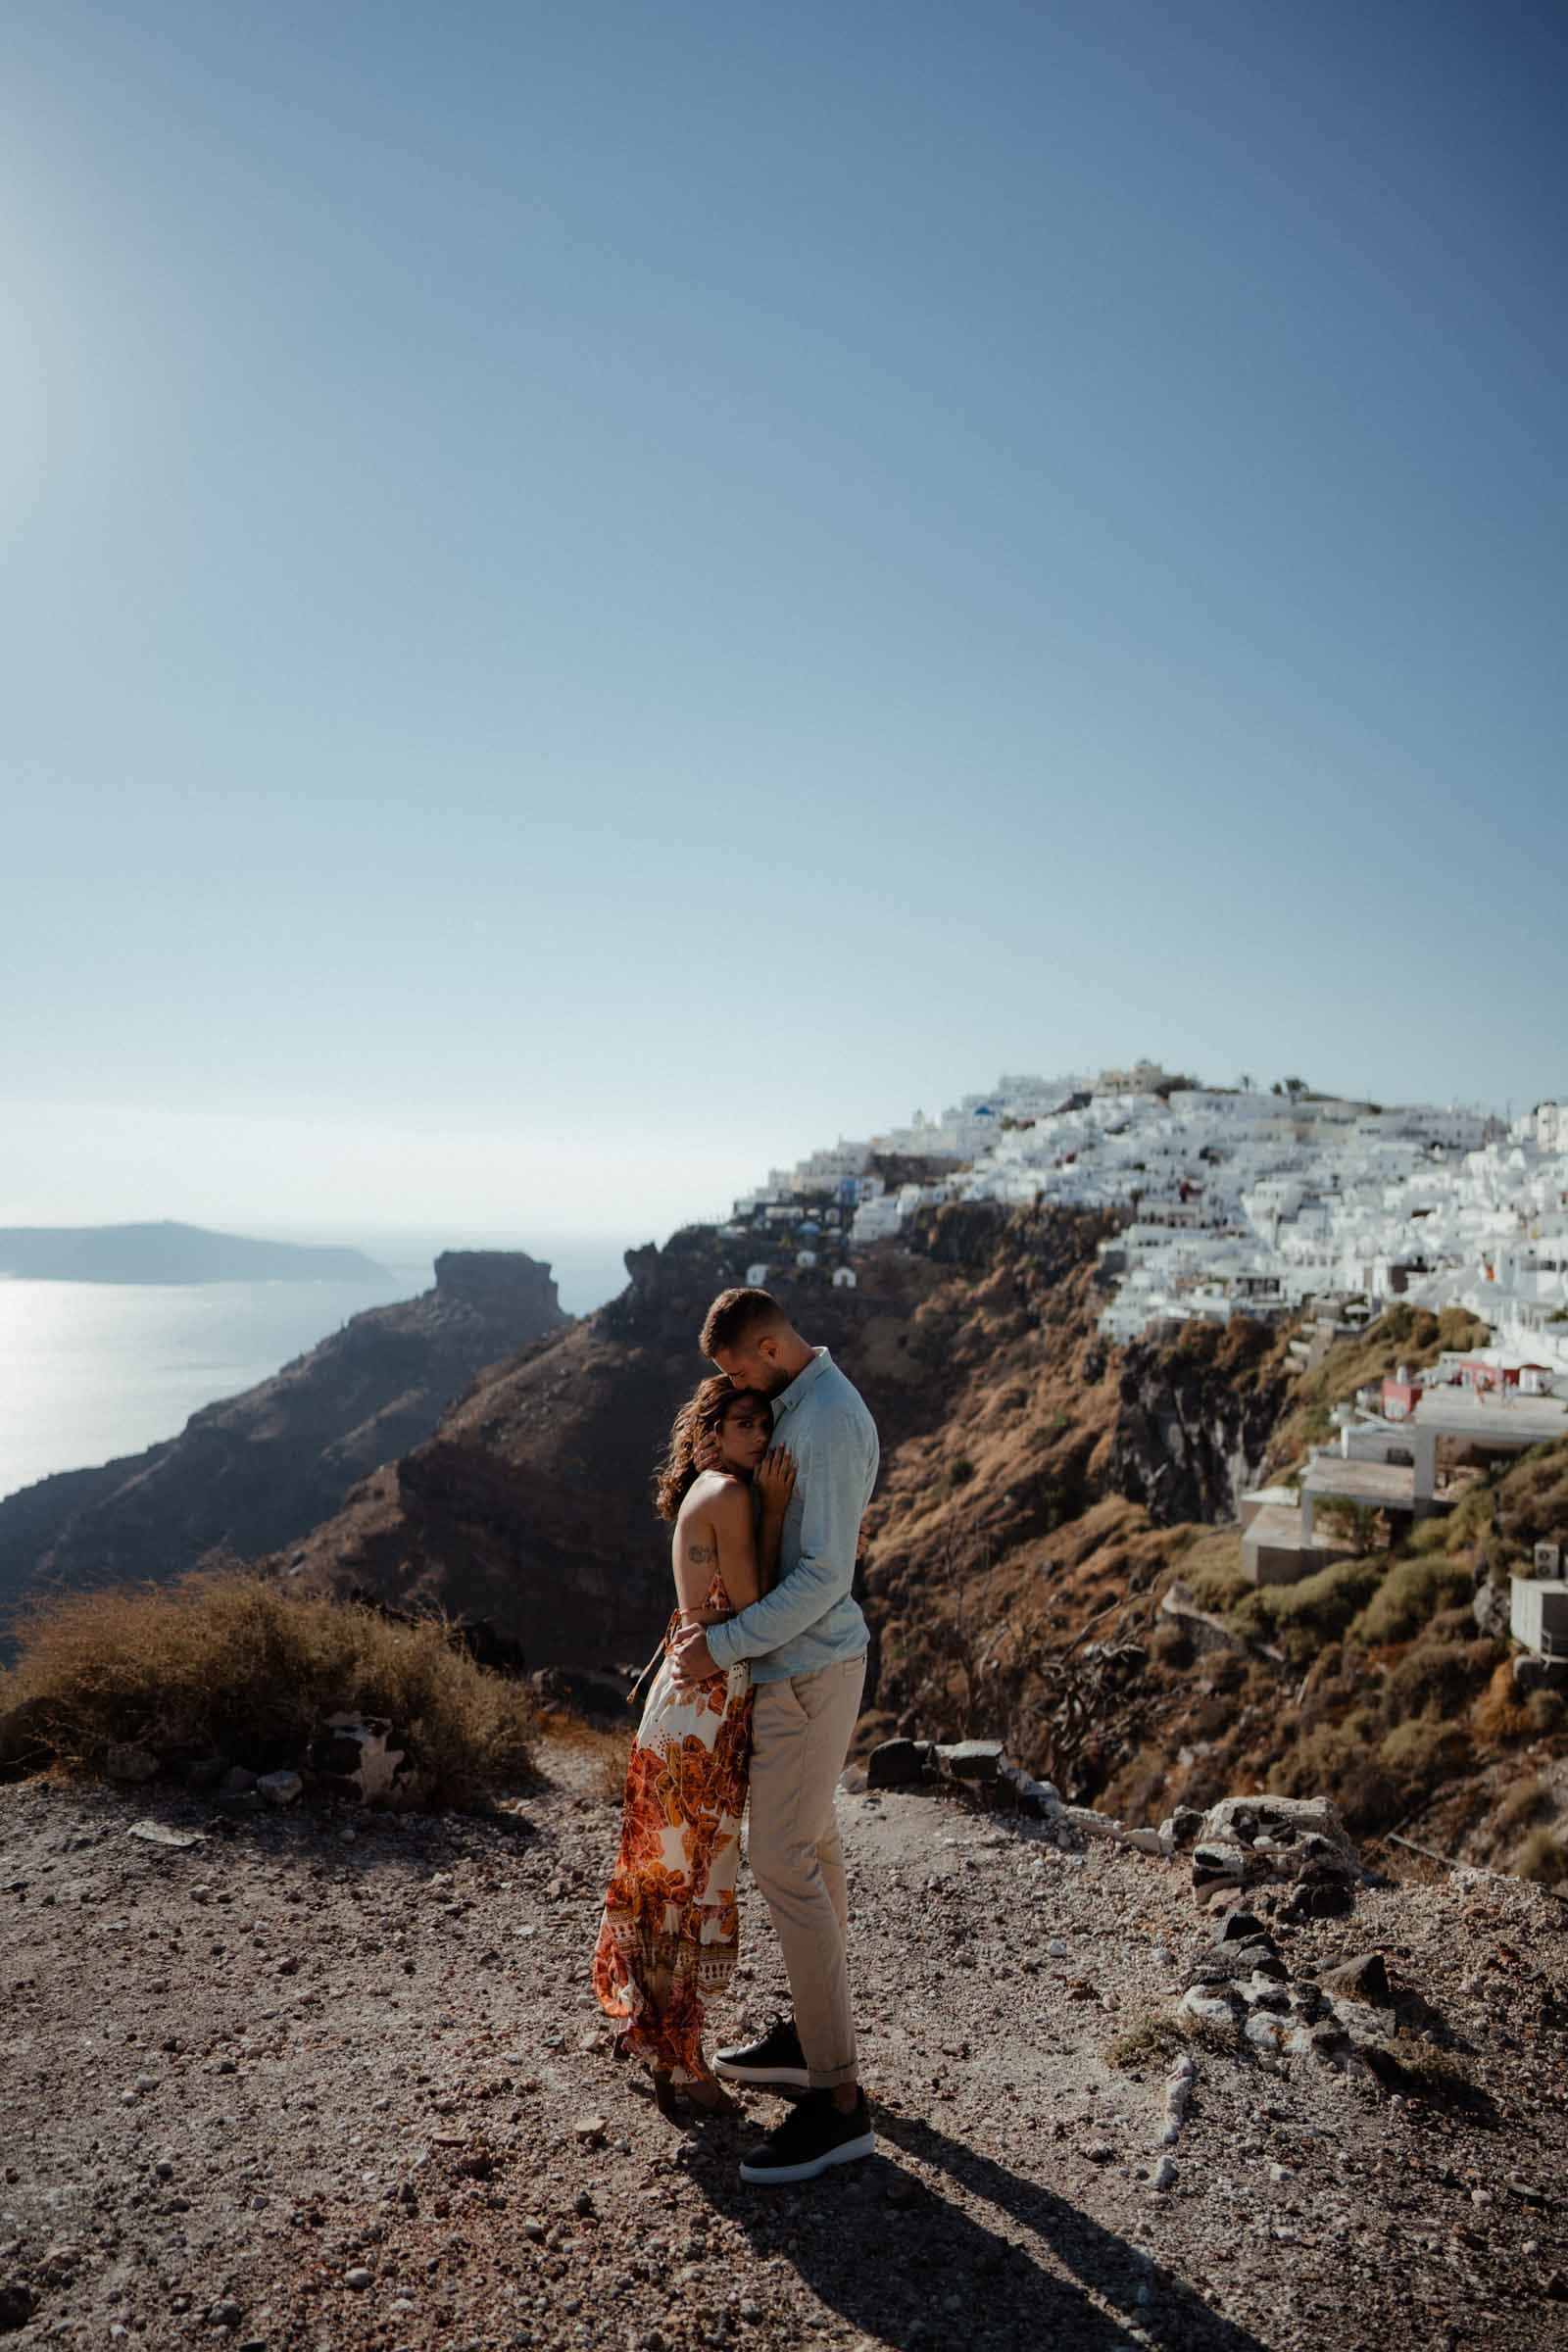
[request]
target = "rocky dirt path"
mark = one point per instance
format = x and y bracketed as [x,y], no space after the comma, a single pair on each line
[344,2087]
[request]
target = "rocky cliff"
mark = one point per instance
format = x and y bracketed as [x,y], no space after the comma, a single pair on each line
[530,1505]
[1194,1420]
[257,1470]
[1051,1556]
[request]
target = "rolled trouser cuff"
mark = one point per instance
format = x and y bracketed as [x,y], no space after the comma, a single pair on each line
[832,2078]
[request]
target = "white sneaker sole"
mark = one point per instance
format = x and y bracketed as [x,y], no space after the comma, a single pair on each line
[764,2078]
[780,2176]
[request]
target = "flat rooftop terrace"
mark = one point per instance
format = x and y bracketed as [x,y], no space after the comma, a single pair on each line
[1277,1527]
[1522,1421]
[1386,1485]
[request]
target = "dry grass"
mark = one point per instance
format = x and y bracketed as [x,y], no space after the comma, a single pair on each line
[1423,2070]
[1523,1805]
[1210,2035]
[1437,1679]
[1148,2042]
[1542,1858]
[606,1749]
[1422,1752]
[1306,1616]
[1409,1595]
[226,1662]
[1497,1713]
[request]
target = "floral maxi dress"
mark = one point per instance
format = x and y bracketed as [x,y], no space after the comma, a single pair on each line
[670,1929]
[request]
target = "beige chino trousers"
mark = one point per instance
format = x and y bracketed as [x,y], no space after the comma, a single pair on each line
[799,1737]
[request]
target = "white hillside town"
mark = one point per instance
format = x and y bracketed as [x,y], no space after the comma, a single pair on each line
[1279,1203]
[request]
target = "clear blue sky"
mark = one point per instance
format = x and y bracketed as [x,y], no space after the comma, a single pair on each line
[596,594]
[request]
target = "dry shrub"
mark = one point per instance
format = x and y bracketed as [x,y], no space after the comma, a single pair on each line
[1544,1710]
[1422,1751]
[1148,2042]
[1307,1616]
[1497,1713]
[1319,1760]
[1524,1803]
[1533,1495]
[1426,2070]
[1542,1858]
[1413,1593]
[1171,1645]
[1340,1760]
[1210,1567]
[230,1663]
[1437,1679]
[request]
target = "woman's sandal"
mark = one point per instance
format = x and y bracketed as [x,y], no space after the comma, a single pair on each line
[668,2098]
[717,2101]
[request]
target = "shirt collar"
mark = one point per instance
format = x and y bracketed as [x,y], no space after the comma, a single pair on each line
[791,1396]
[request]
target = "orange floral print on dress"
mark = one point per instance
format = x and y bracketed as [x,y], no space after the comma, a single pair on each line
[669,1933]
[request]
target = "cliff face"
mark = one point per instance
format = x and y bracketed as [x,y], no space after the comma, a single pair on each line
[1194,1420]
[530,1505]
[257,1470]
[973,1340]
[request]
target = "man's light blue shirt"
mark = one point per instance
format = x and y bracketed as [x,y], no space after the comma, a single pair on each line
[809,1620]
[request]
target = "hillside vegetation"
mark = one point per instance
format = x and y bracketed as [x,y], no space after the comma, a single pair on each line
[1015,1574]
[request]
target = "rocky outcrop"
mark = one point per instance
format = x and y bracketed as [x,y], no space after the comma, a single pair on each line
[531,1506]
[259,1470]
[1194,1421]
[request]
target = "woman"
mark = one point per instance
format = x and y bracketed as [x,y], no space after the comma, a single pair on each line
[670,1929]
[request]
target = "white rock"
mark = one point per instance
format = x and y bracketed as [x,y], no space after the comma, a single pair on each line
[1265,2031]
[1203,2006]
[279,1787]
[1164,2173]
[1273,1813]
[159,1832]
[1090,1822]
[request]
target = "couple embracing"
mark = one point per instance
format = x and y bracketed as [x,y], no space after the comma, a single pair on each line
[771,1466]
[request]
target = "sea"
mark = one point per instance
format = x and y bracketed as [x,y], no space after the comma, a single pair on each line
[90,1371]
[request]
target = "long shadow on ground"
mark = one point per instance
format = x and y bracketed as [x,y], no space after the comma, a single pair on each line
[915,2270]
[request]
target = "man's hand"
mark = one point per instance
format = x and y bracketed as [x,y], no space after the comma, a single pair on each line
[774,1480]
[690,1662]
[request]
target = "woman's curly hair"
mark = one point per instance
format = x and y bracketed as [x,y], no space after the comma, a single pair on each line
[694,1438]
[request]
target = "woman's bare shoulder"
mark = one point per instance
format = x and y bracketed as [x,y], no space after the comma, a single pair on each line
[731,1495]
[706,1493]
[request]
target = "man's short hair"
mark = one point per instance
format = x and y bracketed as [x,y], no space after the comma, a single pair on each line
[736,1316]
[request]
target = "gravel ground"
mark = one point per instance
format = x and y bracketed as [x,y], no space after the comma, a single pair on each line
[308,2084]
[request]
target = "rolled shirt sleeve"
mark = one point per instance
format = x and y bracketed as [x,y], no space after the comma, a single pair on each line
[832,1467]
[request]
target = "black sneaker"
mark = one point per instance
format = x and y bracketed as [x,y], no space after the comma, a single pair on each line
[776,2059]
[808,2142]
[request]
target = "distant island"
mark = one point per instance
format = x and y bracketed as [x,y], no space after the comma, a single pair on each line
[169,1252]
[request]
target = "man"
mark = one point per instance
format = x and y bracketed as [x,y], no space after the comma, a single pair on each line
[806,1642]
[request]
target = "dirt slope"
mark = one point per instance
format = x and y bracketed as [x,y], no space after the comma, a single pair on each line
[242,2075]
